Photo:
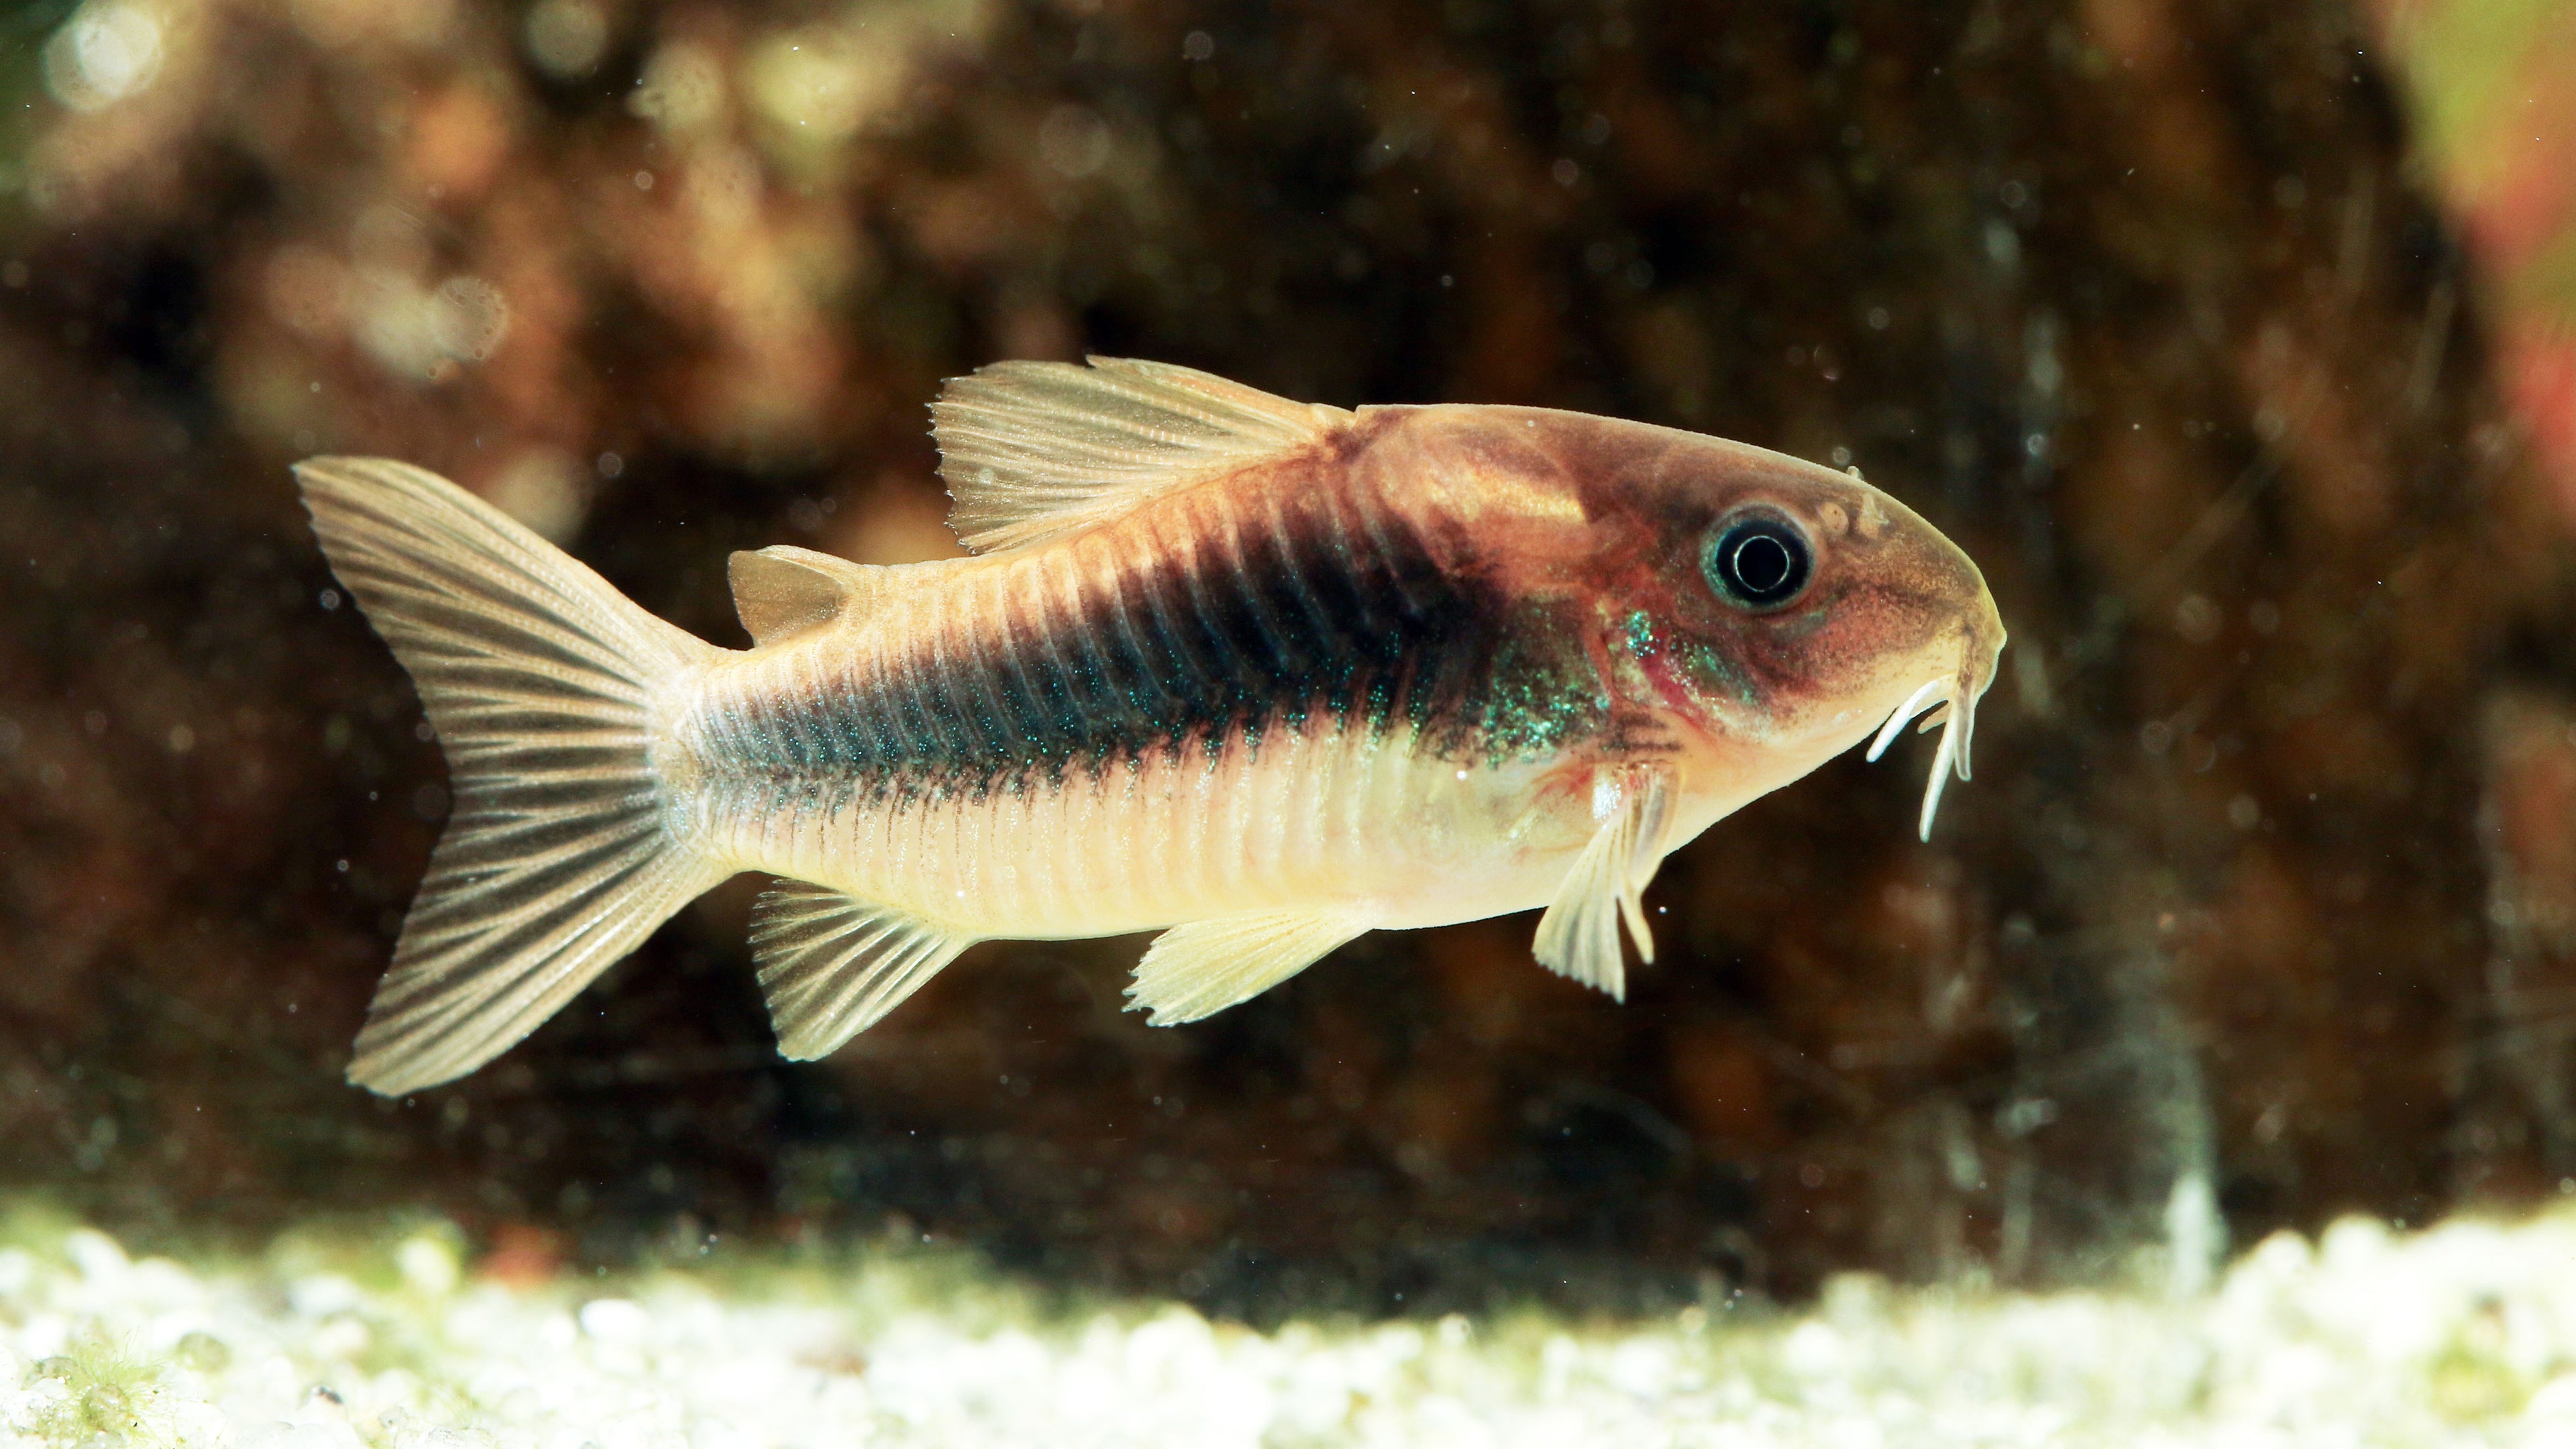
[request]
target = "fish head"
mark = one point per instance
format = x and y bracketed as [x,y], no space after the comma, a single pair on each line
[1785,611]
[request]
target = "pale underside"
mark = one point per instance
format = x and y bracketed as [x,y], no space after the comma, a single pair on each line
[1330,814]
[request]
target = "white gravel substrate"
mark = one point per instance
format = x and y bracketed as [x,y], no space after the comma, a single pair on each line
[2465,1334]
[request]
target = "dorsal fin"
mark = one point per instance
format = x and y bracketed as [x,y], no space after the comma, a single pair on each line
[1031,450]
[782,590]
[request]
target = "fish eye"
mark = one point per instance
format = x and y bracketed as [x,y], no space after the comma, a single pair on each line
[1760,562]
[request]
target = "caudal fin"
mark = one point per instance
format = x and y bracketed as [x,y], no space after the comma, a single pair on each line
[541,680]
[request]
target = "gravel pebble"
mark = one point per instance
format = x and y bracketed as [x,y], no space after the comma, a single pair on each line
[2462,1334]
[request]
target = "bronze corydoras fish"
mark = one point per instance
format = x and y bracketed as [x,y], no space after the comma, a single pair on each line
[1261,675]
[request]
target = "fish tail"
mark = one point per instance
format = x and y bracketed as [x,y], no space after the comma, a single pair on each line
[544,684]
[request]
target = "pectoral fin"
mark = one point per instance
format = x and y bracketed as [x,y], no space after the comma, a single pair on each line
[1579,935]
[832,964]
[1204,967]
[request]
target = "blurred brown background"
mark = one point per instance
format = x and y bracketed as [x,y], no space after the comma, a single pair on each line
[2229,337]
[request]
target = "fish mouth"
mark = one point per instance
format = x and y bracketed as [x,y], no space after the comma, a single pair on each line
[1952,702]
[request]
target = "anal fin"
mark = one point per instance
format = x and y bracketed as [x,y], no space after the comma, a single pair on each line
[1203,967]
[832,964]
[1578,938]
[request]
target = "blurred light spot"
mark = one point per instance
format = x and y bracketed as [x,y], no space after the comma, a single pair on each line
[725,187]
[609,465]
[108,50]
[682,89]
[1565,171]
[823,82]
[459,139]
[307,290]
[182,739]
[544,489]
[413,332]
[428,1266]
[566,37]
[2197,619]
[1878,319]
[2244,812]
[1074,140]
[2003,244]
[336,23]
[1198,45]
[472,318]
[809,82]
[388,243]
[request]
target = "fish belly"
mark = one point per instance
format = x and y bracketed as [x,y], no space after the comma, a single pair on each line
[1326,816]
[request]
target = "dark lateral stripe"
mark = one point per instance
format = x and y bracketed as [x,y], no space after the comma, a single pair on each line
[1268,615]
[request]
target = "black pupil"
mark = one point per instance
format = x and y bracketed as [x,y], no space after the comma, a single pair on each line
[1762,562]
